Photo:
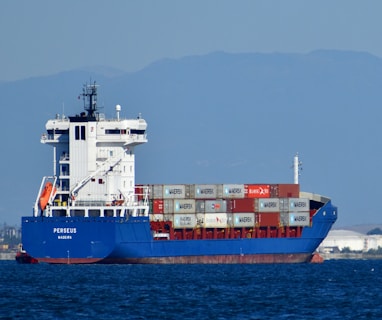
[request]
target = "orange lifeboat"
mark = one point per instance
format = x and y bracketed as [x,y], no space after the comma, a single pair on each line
[45,195]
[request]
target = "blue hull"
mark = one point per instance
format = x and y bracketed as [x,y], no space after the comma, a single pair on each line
[117,240]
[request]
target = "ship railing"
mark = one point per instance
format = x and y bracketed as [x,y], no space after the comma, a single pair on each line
[314,196]
[64,157]
[64,174]
[62,189]
[53,137]
[46,137]
[141,198]
[135,136]
[89,203]
[127,138]
[134,205]
[97,211]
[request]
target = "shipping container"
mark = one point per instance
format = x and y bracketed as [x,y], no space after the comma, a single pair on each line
[233,191]
[184,206]
[200,206]
[204,191]
[213,220]
[274,190]
[156,191]
[295,219]
[294,204]
[268,219]
[168,206]
[211,206]
[241,205]
[184,221]
[267,205]
[289,190]
[174,191]
[168,217]
[243,220]
[156,217]
[187,191]
[257,190]
[157,206]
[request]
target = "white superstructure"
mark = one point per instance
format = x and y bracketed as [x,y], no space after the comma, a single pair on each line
[93,163]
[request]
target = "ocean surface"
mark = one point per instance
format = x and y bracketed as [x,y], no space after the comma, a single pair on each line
[342,289]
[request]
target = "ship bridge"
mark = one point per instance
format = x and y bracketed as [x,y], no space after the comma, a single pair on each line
[93,157]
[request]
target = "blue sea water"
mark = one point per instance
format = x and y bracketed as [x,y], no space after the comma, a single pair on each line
[342,289]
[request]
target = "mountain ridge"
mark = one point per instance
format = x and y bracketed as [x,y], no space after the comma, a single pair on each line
[220,118]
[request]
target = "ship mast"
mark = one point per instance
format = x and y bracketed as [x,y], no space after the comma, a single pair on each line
[89,94]
[297,167]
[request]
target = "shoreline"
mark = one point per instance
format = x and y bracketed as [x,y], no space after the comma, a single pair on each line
[350,256]
[7,255]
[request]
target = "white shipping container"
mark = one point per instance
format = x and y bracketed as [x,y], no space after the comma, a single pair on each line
[211,206]
[204,191]
[168,217]
[174,191]
[200,206]
[168,206]
[184,206]
[267,205]
[156,217]
[233,191]
[244,219]
[187,191]
[295,219]
[219,191]
[184,220]
[213,220]
[298,204]
[284,204]
[156,191]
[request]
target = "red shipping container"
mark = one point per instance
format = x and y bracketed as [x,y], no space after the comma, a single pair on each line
[241,205]
[139,192]
[274,191]
[256,191]
[158,206]
[289,190]
[268,219]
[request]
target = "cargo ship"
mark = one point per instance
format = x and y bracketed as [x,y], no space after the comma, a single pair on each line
[90,210]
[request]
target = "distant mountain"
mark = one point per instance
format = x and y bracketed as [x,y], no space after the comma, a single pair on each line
[104,71]
[219,118]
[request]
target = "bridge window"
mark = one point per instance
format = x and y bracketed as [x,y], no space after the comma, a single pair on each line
[57,131]
[115,131]
[135,131]
[79,132]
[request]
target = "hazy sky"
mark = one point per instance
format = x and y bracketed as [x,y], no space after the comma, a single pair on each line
[45,37]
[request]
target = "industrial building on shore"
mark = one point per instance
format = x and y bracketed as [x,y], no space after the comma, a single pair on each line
[338,240]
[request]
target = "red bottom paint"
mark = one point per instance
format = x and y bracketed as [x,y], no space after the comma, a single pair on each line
[69,260]
[218,259]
